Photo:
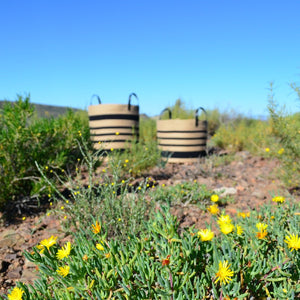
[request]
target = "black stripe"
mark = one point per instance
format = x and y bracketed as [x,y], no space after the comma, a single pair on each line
[194,154]
[104,134]
[169,145]
[115,141]
[116,127]
[114,117]
[179,131]
[170,138]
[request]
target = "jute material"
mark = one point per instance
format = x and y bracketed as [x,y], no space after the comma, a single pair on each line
[113,125]
[182,140]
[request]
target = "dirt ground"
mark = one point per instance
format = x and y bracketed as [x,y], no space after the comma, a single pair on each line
[249,180]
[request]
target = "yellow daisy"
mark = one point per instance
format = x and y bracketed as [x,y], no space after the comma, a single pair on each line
[64,251]
[243,214]
[293,241]
[262,234]
[214,198]
[261,226]
[15,294]
[205,235]
[224,273]
[213,209]
[47,243]
[226,228]
[63,271]
[96,228]
[278,199]
[239,230]
[224,219]
[100,246]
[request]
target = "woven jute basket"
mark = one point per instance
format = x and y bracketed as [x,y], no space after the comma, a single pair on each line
[114,126]
[182,141]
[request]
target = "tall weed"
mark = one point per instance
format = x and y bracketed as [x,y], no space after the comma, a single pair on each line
[286,128]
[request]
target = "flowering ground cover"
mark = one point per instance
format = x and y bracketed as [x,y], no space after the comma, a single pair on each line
[198,259]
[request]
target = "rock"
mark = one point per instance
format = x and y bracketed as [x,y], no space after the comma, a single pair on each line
[29,275]
[11,240]
[243,154]
[14,271]
[258,194]
[225,191]
[10,256]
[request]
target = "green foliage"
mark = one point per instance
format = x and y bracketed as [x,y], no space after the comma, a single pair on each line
[179,111]
[160,263]
[25,140]
[214,117]
[136,159]
[286,128]
[113,200]
[147,130]
[246,134]
[183,193]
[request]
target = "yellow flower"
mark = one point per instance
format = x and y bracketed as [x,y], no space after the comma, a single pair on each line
[278,199]
[244,215]
[293,241]
[63,271]
[15,294]
[261,226]
[280,151]
[224,273]
[261,234]
[96,228]
[64,251]
[85,257]
[224,219]
[205,235]
[239,230]
[267,149]
[47,243]
[107,255]
[226,228]
[213,209]
[126,161]
[214,198]
[100,246]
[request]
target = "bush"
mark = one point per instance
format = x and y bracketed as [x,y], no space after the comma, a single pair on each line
[286,128]
[25,140]
[245,134]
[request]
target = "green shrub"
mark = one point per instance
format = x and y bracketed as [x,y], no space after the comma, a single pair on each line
[286,128]
[245,134]
[25,140]
[147,130]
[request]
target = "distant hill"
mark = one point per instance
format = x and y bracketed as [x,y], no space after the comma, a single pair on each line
[47,111]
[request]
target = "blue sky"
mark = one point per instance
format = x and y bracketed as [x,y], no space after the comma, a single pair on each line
[216,54]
